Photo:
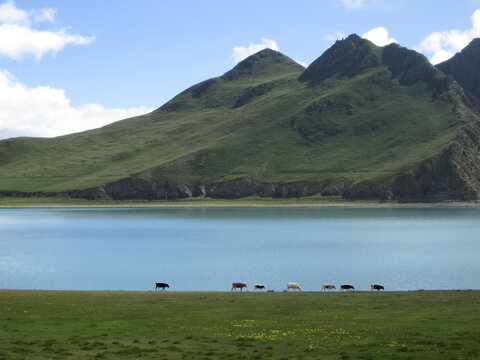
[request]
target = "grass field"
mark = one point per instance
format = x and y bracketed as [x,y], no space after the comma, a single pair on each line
[224,325]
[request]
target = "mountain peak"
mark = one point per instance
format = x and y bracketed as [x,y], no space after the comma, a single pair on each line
[267,52]
[354,38]
[472,50]
[263,61]
[251,60]
[410,66]
[347,57]
[474,44]
[464,67]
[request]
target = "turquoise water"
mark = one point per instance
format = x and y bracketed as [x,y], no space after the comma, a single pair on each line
[209,248]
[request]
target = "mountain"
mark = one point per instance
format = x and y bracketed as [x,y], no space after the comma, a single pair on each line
[361,121]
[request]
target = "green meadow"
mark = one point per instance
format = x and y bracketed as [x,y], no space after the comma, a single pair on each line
[226,325]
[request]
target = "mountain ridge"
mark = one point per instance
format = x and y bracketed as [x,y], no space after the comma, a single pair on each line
[463,67]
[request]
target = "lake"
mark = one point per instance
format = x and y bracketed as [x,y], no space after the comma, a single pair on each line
[209,248]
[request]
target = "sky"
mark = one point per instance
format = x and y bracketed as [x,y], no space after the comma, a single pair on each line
[69,66]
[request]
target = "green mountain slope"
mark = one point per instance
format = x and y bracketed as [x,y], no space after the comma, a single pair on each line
[360,121]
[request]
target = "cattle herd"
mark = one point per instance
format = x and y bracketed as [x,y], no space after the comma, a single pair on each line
[290,286]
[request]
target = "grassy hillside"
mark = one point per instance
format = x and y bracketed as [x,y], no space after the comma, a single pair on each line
[167,325]
[191,122]
[267,121]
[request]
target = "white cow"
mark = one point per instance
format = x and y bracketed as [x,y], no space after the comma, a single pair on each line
[328,287]
[293,286]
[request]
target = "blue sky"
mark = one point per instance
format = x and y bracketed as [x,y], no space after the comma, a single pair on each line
[68,66]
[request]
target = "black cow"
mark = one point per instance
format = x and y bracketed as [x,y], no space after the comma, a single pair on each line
[161,285]
[376,287]
[347,287]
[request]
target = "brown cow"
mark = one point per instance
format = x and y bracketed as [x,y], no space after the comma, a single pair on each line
[238,285]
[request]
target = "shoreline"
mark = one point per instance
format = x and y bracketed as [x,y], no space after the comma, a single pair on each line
[254,201]
[353,205]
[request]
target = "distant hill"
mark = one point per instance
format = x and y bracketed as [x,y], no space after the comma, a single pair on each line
[361,121]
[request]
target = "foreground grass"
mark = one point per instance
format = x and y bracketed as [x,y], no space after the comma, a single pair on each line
[206,325]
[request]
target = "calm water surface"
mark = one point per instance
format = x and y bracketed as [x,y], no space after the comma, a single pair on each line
[209,248]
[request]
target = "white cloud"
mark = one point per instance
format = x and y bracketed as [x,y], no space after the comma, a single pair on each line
[46,111]
[337,36]
[18,39]
[379,36]
[353,4]
[441,45]
[9,14]
[45,15]
[242,52]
